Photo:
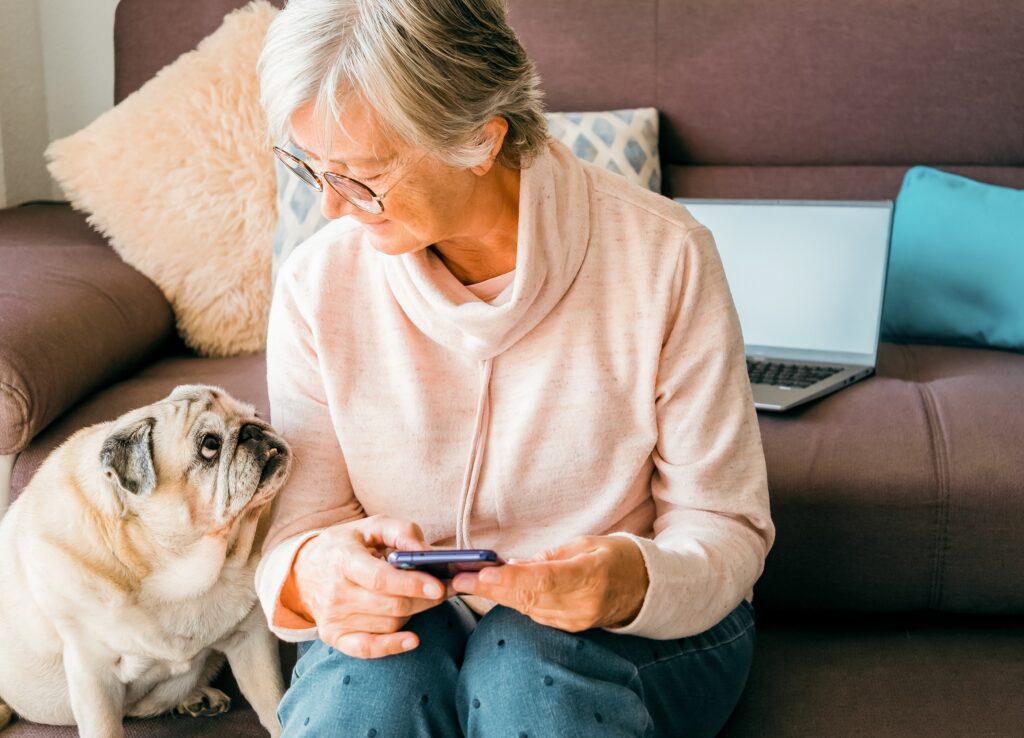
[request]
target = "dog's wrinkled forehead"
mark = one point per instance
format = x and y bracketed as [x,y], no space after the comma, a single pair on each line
[204,398]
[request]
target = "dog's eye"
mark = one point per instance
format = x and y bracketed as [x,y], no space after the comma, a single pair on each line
[211,446]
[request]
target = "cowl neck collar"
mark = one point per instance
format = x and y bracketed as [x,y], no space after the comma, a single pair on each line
[554,228]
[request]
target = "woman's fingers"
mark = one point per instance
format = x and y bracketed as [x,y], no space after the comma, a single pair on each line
[359,601]
[384,532]
[364,569]
[364,623]
[589,582]
[362,645]
[527,586]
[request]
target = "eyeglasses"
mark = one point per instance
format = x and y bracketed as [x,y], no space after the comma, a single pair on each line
[352,190]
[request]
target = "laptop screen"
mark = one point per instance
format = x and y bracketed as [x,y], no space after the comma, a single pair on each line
[806,277]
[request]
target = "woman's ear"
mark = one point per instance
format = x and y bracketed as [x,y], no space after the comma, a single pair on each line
[495,131]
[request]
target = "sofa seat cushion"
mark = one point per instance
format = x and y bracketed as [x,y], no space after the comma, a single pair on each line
[239,722]
[904,491]
[245,377]
[73,317]
[893,676]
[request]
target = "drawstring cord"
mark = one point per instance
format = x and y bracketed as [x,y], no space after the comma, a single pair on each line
[472,477]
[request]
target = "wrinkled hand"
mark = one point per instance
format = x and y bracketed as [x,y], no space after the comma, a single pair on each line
[589,582]
[358,601]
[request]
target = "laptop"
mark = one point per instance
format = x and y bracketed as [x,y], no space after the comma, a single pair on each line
[808,279]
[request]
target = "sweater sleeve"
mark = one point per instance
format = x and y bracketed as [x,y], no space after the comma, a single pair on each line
[712,527]
[318,492]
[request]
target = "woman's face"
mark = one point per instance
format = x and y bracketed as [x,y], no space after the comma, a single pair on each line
[424,198]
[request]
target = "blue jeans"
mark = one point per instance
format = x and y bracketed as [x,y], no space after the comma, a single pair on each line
[511,677]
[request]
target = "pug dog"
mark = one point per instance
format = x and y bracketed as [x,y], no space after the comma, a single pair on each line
[127,566]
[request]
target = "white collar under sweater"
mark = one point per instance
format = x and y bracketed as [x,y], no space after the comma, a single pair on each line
[550,250]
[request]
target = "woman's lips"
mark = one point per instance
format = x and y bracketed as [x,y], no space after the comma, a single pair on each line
[376,225]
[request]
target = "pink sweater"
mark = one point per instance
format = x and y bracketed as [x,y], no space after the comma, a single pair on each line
[607,395]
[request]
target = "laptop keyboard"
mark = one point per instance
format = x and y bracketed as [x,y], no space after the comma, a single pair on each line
[788,375]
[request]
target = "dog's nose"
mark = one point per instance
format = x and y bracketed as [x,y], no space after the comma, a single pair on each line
[250,432]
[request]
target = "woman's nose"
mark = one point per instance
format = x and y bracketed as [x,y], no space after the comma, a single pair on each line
[333,205]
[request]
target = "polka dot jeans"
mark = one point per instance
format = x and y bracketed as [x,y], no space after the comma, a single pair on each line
[510,677]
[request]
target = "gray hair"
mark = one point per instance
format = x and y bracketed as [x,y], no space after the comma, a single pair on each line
[435,71]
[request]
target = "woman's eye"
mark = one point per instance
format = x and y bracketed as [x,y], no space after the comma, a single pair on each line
[211,447]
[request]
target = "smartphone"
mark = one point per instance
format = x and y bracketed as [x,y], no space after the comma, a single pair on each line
[445,564]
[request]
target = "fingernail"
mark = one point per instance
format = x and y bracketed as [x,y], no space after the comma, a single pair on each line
[408,644]
[463,583]
[433,591]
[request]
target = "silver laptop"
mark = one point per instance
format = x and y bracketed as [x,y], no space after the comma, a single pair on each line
[808,278]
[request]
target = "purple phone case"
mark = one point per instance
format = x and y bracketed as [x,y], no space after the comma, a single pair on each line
[444,564]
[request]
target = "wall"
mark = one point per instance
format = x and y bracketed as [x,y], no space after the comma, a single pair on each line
[3,179]
[22,103]
[56,76]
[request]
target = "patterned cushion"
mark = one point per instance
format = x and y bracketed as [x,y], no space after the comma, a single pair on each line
[624,141]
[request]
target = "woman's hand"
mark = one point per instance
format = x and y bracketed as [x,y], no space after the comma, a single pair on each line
[590,582]
[359,602]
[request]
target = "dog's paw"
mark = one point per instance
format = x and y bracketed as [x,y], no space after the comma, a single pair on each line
[6,715]
[204,702]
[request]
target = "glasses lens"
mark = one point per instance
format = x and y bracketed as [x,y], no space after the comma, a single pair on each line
[355,192]
[298,168]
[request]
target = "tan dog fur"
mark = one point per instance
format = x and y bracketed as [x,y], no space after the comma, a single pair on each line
[122,584]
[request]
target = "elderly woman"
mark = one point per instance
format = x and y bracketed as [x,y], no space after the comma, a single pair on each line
[499,347]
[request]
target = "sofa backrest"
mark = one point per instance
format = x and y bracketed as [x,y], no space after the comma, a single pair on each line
[788,98]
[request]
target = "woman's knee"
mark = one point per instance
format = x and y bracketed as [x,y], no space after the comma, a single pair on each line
[518,676]
[332,692]
[693,684]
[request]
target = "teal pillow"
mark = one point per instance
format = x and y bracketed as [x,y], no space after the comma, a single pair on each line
[956,264]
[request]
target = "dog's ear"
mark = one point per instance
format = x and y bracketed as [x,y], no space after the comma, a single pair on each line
[127,457]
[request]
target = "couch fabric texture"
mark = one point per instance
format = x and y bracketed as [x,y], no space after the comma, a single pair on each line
[73,318]
[890,603]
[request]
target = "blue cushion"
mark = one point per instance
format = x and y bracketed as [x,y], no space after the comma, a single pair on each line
[956,267]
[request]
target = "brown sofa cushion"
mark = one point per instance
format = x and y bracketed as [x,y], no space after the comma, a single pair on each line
[150,34]
[73,317]
[931,675]
[902,492]
[792,82]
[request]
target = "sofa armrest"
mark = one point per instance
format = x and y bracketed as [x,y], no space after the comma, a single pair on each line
[73,317]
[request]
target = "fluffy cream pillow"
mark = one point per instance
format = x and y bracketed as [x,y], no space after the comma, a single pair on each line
[180,177]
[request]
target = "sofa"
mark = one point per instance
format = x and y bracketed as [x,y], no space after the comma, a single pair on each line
[891,602]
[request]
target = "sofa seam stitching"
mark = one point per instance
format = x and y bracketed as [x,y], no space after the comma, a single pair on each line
[22,400]
[942,476]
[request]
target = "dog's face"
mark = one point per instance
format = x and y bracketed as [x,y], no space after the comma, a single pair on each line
[193,462]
